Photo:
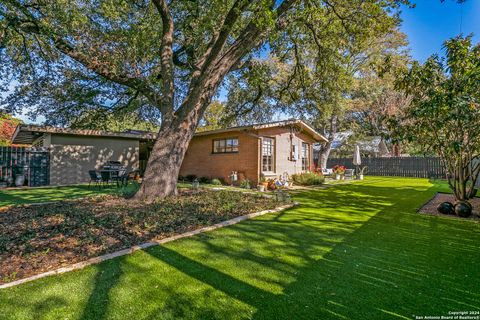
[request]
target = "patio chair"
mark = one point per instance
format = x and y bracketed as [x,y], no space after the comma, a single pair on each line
[121,177]
[94,177]
[349,174]
[105,176]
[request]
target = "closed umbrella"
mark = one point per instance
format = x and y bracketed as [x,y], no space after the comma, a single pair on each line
[357,160]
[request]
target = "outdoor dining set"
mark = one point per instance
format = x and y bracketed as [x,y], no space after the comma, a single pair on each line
[112,172]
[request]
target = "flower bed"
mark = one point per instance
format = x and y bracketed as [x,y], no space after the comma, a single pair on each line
[38,238]
[431,206]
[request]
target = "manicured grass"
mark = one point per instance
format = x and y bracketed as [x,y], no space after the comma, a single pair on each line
[353,251]
[47,194]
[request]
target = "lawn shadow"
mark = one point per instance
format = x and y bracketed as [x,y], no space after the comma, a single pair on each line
[356,251]
[107,276]
[388,265]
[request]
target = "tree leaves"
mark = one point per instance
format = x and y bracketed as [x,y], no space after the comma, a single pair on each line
[444,115]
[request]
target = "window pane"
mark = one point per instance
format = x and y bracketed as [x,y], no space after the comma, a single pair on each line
[225,145]
[267,154]
[305,157]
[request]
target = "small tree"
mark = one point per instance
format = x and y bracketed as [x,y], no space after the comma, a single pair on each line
[444,113]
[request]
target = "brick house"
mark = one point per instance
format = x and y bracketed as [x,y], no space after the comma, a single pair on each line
[268,149]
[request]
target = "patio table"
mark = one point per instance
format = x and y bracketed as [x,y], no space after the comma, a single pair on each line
[114,175]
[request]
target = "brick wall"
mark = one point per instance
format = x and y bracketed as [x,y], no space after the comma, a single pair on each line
[200,161]
[283,161]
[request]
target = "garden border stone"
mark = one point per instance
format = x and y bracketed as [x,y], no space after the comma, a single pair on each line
[123,252]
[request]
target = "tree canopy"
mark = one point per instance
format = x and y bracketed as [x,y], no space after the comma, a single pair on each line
[444,113]
[163,60]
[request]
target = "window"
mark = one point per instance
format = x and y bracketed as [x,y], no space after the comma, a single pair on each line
[268,151]
[305,156]
[229,145]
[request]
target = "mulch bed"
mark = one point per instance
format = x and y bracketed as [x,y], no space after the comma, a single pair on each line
[431,206]
[39,238]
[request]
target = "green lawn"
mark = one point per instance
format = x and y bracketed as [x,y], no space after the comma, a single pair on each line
[47,194]
[353,251]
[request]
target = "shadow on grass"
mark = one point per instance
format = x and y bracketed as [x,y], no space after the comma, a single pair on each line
[355,251]
[48,194]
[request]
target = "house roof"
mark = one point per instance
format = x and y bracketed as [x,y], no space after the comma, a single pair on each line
[27,134]
[292,122]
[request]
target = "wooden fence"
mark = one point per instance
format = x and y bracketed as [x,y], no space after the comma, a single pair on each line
[33,164]
[419,167]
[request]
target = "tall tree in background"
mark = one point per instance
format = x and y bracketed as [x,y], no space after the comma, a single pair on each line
[310,74]
[164,58]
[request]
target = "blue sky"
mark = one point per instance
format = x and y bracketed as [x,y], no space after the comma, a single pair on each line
[431,22]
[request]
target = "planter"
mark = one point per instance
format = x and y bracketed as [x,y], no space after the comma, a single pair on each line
[19,181]
[463,209]
[338,176]
[446,208]
[360,177]
[261,188]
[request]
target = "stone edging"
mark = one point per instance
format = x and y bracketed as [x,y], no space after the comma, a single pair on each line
[123,252]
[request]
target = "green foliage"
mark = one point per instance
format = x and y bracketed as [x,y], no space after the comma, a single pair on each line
[245,184]
[69,65]
[214,117]
[190,177]
[216,182]
[204,180]
[444,114]
[308,179]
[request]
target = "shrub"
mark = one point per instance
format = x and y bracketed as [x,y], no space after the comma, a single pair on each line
[204,180]
[216,182]
[308,179]
[245,184]
[190,177]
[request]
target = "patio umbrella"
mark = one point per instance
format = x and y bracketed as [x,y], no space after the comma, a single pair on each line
[357,160]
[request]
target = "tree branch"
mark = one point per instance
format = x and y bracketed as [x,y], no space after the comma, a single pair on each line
[166,58]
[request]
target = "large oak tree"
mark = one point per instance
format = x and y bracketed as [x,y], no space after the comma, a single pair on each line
[162,59]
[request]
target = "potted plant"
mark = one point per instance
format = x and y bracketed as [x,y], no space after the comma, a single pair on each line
[361,173]
[339,171]
[262,184]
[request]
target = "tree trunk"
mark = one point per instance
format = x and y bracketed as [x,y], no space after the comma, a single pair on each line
[163,167]
[323,155]
[325,149]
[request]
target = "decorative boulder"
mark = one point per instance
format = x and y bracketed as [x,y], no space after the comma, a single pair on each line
[463,209]
[446,208]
